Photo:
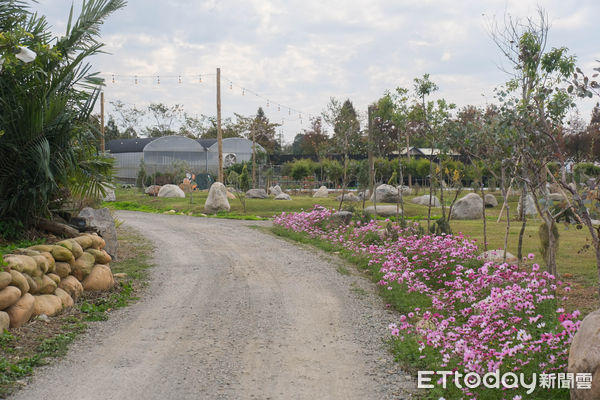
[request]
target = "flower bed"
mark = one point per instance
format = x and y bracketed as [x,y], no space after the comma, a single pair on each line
[459,312]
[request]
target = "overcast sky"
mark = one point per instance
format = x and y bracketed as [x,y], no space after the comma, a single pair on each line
[300,53]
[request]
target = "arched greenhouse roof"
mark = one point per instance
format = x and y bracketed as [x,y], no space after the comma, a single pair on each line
[236,145]
[174,144]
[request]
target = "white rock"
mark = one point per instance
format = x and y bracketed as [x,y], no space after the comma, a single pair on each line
[424,201]
[322,192]
[283,196]
[171,191]
[217,199]
[469,207]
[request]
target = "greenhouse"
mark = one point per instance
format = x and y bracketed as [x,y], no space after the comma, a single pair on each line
[165,153]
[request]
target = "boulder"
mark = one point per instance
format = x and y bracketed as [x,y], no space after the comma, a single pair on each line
[33,283]
[110,194]
[101,278]
[530,208]
[497,256]
[85,241]
[49,264]
[65,298]
[469,207]
[54,277]
[341,217]
[424,201]
[388,193]
[383,211]
[101,256]
[18,280]
[584,356]
[72,286]
[72,246]
[283,196]
[47,286]
[22,263]
[97,242]
[21,311]
[4,321]
[152,190]
[256,194]
[41,247]
[217,199]
[490,200]
[171,191]
[84,264]
[9,296]
[61,253]
[48,304]
[5,279]
[349,198]
[321,192]
[62,269]
[102,222]
[275,190]
[364,195]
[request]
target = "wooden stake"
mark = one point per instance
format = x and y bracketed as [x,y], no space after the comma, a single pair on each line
[253,158]
[102,145]
[370,155]
[219,132]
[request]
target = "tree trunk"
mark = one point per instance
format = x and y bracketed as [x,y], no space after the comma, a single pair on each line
[523,217]
[430,194]
[483,218]
[57,228]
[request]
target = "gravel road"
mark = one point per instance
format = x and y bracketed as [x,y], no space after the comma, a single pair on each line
[232,312]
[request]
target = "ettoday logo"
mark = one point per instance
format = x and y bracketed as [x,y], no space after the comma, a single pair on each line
[509,380]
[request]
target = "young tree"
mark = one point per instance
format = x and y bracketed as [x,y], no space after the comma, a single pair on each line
[164,116]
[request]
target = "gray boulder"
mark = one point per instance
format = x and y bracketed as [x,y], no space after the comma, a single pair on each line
[424,201]
[530,208]
[363,195]
[349,197]
[584,356]
[256,194]
[321,192]
[388,193]
[275,190]
[101,221]
[217,199]
[283,196]
[110,193]
[152,190]
[341,217]
[469,207]
[498,255]
[490,200]
[383,211]
[171,191]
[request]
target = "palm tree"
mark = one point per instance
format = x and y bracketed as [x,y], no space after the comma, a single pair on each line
[48,142]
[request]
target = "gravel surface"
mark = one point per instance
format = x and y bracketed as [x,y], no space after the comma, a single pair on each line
[233,313]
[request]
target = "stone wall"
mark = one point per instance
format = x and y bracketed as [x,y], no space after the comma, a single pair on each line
[46,278]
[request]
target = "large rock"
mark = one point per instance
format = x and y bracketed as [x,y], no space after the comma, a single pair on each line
[102,221]
[48,304]
[584,356]
[152,190]
[171,191]
[4,321]
[275,190]
[47,285]
[341,217]
[72,286]
[21,311]
[283,196]
[100,256]
[110,193]
[217,199]
[22,263]
[9,296]
[65,298]
[383,211]
[62,269]
[5,279]
[18,280]
[85,241]
[424,201]
[497,256]
[490,200]
[388,193]
[349,198]
[256,194]
[72,246]
[321,192]
[101,278]
[469,207]
[530,208]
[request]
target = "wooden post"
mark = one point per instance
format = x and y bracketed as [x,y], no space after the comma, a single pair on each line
[370,154]
[219,132]
[253,157]
[102,144]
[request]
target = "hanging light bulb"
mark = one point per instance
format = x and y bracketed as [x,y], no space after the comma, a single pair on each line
[289,111]
[200,78]
[158,79]
[136,80]
[267,102]
[180,79]
[243,92]
[113,78]
[230,86]
[278,107]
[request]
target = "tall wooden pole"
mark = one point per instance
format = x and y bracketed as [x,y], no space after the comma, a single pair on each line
[219,132]
[253,157]
[102,145]
[370,153]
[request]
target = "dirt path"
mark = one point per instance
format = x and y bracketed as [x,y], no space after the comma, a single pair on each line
[232,313]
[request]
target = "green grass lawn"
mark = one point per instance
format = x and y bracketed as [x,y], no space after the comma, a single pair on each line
[576,264]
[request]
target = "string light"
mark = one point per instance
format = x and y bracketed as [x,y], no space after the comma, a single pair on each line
[243,92]
[230,85]
[180,79]
[157,79]
[113,79]
[136,80]
[200,78]
[267,102]
[278,107]
[289,111]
